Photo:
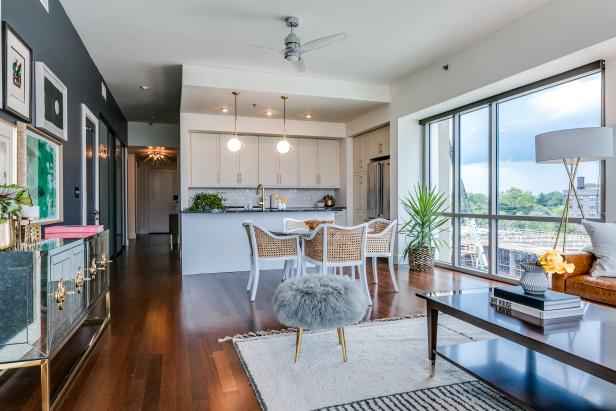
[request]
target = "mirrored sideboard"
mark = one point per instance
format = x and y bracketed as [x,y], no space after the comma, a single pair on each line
[53,294]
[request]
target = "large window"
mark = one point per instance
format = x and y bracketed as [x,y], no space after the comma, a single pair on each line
[505,208]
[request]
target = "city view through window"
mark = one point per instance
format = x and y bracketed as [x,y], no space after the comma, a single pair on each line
[523,188]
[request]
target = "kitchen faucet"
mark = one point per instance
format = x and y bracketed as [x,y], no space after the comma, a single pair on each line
[262,201]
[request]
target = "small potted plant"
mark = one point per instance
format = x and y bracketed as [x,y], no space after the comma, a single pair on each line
[425,208]
[535,278]
[210,202]
[12,198]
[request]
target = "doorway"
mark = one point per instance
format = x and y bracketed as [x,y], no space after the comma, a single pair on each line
[161,204]
[90,182]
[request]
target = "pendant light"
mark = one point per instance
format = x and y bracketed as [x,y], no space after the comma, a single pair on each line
[283,145]
[234,143]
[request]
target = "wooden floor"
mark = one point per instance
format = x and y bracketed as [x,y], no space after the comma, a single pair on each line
[161,350]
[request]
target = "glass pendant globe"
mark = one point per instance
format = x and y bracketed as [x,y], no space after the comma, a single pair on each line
[234,144]
[283,146]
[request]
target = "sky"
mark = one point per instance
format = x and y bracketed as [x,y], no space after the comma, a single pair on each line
[570,105]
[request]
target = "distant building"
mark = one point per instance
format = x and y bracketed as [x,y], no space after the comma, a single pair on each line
[590,198]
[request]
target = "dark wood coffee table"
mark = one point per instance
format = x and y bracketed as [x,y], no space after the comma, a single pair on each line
[569,365]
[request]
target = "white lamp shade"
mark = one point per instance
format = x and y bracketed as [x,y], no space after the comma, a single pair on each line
[587,144]
[30,212]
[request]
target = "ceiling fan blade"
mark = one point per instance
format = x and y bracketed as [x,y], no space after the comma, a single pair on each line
[323,42]
[300,65]
[236,43]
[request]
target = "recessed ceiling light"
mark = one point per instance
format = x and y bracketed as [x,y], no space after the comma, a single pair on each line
[224,110]
[144,88]
[268,113]
[308,115]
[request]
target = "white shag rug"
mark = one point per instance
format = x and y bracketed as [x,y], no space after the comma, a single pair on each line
[385,357]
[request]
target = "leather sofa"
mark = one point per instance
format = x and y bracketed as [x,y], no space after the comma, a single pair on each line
[580,282]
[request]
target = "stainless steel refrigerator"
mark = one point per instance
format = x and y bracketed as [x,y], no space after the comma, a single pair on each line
[378,188]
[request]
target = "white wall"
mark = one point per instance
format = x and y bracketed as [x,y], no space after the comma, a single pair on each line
[155,135]
[556,37]
[247,125]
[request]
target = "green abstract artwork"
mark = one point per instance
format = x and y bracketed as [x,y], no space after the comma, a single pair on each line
[42,162]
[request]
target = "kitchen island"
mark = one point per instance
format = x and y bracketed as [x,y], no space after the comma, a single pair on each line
[216,242]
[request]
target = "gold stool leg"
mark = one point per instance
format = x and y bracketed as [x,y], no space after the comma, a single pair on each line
[45,397]
[345,358]
[339,336]
[298,343]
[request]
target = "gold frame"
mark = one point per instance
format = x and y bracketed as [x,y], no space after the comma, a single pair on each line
[47,401]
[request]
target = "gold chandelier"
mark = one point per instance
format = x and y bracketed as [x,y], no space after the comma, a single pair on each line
[156,156]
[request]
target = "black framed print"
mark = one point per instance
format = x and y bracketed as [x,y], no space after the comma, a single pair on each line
[51,102]
[17,74]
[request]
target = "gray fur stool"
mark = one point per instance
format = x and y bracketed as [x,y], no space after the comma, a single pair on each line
[319,302]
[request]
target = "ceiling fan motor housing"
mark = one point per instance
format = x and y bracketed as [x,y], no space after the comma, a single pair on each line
[292,48]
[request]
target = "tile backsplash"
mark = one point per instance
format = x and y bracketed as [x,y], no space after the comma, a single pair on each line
[298,197]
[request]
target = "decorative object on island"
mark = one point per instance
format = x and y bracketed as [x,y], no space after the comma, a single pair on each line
[234,143]
[207,202]
[571,147]
[425,208]
[51,102]
[283,145]
[17,71]
[12,199]
[39,168]
[279,201]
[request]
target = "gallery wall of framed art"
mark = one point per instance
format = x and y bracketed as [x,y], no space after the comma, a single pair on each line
[8,153]
[17,74]
[51,101]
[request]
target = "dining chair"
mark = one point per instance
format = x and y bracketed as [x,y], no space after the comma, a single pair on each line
[334,247]
[380,242]
[265,246]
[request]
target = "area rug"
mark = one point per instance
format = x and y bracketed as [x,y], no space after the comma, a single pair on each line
[387,369]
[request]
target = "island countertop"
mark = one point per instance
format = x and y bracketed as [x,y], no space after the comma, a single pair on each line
[217,242]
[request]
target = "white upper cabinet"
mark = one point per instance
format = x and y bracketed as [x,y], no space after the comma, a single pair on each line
[289,165]
[204,160]
[229,164]
[249,161]
[308,162]
[359,154]
[328,162]
[268,161]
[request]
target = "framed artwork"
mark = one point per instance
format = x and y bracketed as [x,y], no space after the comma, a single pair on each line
[8,153]
[51,102]
[17,75]
[39,167]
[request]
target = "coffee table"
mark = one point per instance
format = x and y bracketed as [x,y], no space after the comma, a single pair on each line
[564,365]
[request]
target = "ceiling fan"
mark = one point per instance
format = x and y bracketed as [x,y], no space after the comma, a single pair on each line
[293,49]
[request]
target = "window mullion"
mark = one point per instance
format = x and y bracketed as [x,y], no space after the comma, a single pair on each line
[493,191]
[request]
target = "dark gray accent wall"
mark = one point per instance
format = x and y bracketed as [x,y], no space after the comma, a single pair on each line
[55,42]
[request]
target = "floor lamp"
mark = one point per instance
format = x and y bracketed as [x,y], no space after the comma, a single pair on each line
[570,148]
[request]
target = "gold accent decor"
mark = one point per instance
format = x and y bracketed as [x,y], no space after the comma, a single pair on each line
[572,169]
[60,294]
[298,343]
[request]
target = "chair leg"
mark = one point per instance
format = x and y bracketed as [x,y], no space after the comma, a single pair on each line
[364,279]
[323,268]
[298,343]
[250,276]
[339,336]
[375,277]
[255,284]
[345,358]
[286,270]
[390,260]
[353,269]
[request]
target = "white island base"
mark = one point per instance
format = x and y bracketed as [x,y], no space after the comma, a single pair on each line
[217,242]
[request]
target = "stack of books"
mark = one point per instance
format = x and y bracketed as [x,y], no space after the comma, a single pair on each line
[72,231]
[547,307]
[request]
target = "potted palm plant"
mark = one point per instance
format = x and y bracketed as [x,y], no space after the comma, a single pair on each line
[425,208]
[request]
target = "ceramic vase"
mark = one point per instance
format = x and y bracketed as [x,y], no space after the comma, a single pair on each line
[534,280]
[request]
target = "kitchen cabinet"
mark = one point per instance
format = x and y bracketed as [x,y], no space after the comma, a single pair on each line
[239,168]
[319,163]
[360,191]
[276,169]
[228,164]
[308,162]
[377,143]
[359,154]
[204,160]
[359,216]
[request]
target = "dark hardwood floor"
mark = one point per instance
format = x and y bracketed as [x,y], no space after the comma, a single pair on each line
[161,348]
